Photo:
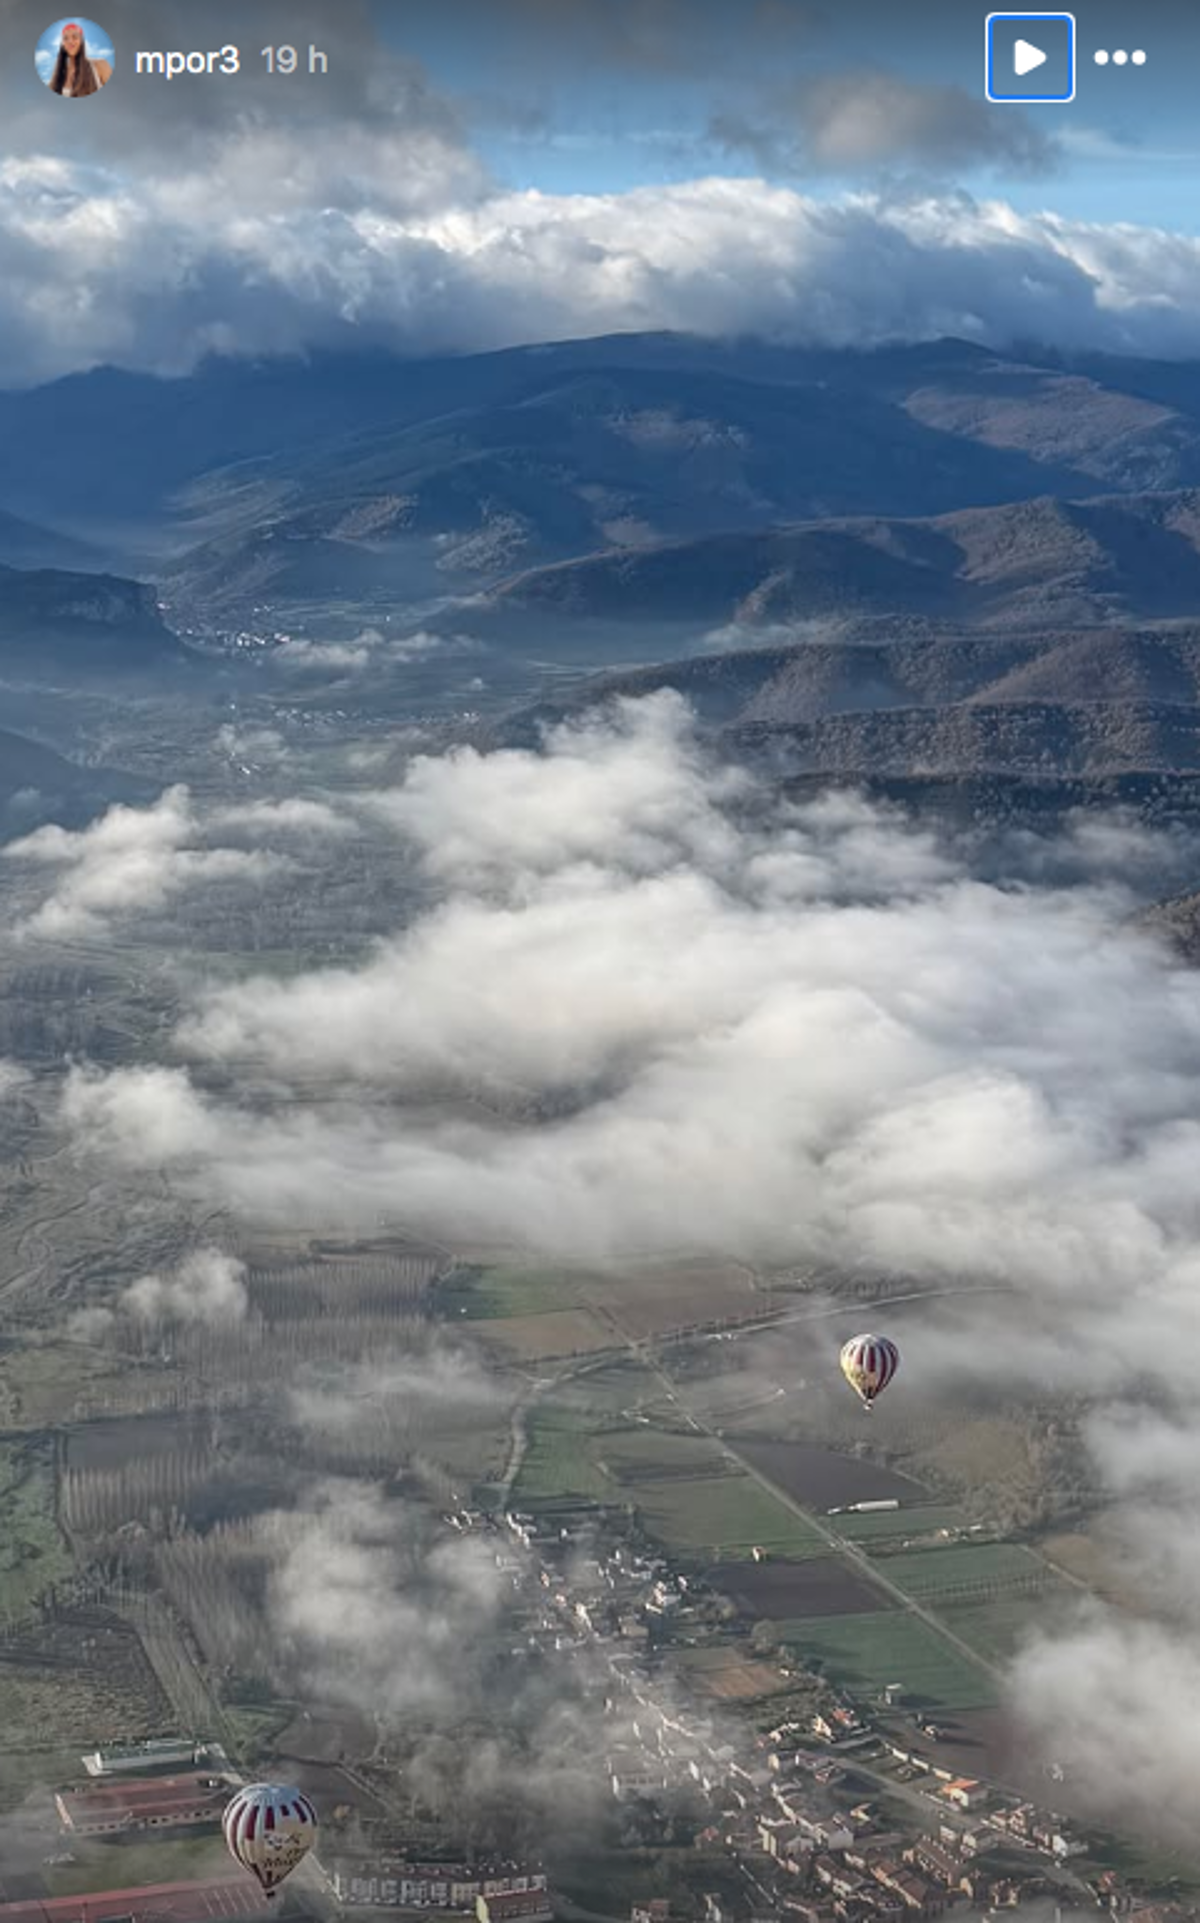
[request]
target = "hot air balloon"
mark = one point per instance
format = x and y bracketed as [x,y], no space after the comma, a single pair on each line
[868,1363]
[269,1829]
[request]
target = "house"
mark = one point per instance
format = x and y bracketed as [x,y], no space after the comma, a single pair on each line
[657,1910]
[635,1773]
[224,1897]
[824,1832]
[160,1803]
[1004,1894]
[394,1883]
[873,1848]
[884,1905]
[836,1877]
[158,1755]
[785,1843]
[515,1906]
[935,1861]
[832,1725]
[965,1793]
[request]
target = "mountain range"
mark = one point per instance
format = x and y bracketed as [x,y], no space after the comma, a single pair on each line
[1022,564]
[81,624]
[925,563]
[37,785]
[380,477]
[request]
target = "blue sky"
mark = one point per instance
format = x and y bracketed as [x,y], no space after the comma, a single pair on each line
[602,119]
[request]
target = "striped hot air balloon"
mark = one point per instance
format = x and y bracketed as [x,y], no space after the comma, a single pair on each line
[868,1363]
[269,1829]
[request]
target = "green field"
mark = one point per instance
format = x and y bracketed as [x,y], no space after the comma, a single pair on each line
[642,1453]
[103,1866]
[894,1525]
[865,1653]
[560,1461]
[966,1570]
[998,1629]
[495,1294]
[24,1770]
[722,1518]
[32,1552]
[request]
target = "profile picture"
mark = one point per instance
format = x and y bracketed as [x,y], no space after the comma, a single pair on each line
[75,57]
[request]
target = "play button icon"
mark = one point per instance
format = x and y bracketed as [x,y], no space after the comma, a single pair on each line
[1029,57]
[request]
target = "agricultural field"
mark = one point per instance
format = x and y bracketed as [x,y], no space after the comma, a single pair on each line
[33,1553]
[555,1335]
[658,1298]
[491,1294]
[821,1479]
[336,1279]
[112,1444]
[889,1527]
[559,1461]
[999,1626]
[614,1388]
[967,1572]
[728,1676]
[865,1653]
[1091,1555]
[27,1774]
[105,1866]
[722,1519]
[821,1586]
[78,1679]
[573,1452]
[645,1454]
[45,1382]
[628,1304]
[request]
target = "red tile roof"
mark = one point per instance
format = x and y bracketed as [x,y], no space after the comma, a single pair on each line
[156,1796]
[233,1896]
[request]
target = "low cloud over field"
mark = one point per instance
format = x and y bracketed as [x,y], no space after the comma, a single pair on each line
[378,1618]
[208,1286]
[761,1031]
[699,1017]
[137,860]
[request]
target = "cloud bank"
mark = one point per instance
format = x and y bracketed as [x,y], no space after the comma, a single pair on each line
[174,274]
[704,1020]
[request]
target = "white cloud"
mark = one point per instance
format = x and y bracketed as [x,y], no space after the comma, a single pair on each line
[179,268]
[865,117]
[1118,1705]
[140,859]
[353,1399]
[293,816]
[207,1286]
[376,1616]
[251,748]
[370,650]
[704,1019]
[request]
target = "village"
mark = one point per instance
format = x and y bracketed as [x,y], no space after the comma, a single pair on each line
[838,1812]
[837,1817]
